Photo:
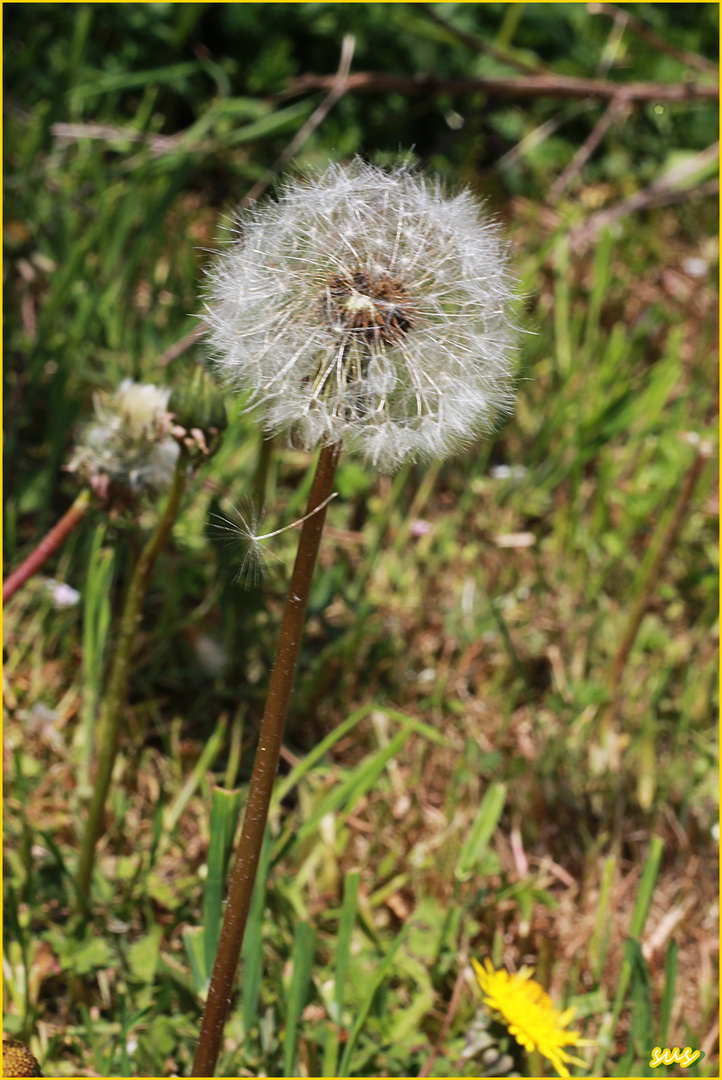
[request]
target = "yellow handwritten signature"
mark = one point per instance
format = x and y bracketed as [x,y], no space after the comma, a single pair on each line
[675,1056]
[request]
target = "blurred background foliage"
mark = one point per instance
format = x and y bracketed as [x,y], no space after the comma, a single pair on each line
[465,619]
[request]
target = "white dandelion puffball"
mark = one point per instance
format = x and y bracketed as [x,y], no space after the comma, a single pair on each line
[129,441]
[367,307]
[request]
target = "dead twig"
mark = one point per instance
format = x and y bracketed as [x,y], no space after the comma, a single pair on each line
[665,191]
[159,144]
[450,1014]
[543,131]
[531,86]
[712,1039]
[182,345]
[665,543]
[504,56]
[339,85]
[616,108]
[539,134]
[694,60]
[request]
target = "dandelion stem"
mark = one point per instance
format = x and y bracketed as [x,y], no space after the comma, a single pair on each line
[115,695]
[264,771]
[49,544]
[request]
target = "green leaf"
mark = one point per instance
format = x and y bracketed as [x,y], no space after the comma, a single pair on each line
[194,941]
[143,955]
[86,956]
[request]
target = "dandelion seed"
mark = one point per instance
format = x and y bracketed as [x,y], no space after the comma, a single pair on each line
[248,556]
[367,307]
[248,550]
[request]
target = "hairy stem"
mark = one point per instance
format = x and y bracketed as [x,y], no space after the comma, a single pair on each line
[264,772]
[112,706]
[50,543]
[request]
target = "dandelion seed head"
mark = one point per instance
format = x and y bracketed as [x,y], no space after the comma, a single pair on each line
[128,442]
[367,307]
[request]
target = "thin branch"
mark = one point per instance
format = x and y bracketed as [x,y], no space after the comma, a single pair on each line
[450,1014]
[159,144]
[537,136]
[181,346]
[532,86]
[543,131]
[504,56]
[617,107]
[665,191]
[49,544]
[694,60]
[339,85]
[664,544]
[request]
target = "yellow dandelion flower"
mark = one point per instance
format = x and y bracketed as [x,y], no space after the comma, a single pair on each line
[529,1014]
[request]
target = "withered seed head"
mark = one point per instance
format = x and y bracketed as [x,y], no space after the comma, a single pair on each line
[18,1061]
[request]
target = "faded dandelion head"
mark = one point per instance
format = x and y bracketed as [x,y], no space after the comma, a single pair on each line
[129,442]
[367,307]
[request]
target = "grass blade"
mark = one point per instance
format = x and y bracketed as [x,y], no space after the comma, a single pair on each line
[361,780]
[343,955]
[303,950]
[225,811]
[252,953]
[482,830]
[209,755]
[670,976]
[639,917]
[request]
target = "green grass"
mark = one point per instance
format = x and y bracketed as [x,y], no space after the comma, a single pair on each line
[458,777]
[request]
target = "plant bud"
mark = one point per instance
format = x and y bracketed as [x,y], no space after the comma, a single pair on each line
[199,413]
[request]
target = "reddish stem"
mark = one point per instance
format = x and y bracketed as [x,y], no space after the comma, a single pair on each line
[47,546]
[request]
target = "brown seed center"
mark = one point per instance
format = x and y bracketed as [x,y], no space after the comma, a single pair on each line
[376,309]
